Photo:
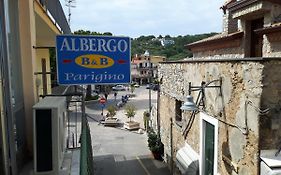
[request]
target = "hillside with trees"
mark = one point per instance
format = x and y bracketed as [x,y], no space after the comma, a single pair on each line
[152,43]
[174,51]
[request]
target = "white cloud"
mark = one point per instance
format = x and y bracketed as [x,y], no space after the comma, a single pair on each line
[143,17]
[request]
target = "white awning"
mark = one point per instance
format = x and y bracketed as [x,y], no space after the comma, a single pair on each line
[187,160]
[268,156]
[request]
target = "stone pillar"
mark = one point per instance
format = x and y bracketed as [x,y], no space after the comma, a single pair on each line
[230,25]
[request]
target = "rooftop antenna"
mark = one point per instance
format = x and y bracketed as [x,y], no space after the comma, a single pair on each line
[70,4]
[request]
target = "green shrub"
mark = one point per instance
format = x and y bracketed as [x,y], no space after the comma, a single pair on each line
[154,142]
[88,98]
[111,110]
[130,111]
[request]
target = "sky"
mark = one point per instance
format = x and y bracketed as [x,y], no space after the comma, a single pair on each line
[135,18]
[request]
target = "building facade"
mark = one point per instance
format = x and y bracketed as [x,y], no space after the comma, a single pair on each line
[144,68]
[27,32]
[234,78]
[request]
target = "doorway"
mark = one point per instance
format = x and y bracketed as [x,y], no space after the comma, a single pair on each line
[208,146]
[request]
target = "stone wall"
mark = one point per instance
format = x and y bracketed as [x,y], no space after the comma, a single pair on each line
[245,88]
[230,25]
[225,53]
[272,45]
[270,122]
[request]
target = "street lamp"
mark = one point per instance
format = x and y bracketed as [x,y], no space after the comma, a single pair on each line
[146,54]
[192,106]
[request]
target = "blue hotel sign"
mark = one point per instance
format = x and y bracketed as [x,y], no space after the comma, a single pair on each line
[93,59]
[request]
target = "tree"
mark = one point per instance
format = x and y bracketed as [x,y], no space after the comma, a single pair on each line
[130,111]
[107,33]
[111,111]
[160,36]
[132,87]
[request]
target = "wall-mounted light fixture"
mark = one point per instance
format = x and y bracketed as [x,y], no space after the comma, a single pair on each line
[190,105]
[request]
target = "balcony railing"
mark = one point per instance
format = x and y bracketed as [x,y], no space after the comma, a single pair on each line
[145,68]
[54,8]
[86,158]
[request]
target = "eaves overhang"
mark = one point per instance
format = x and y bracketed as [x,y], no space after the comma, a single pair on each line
[221,41]
[270,29]
[45,27]
[250,8]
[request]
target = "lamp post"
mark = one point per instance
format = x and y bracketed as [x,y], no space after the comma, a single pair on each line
[146,54]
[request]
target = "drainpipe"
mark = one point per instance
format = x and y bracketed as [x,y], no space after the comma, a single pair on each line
[158,110]
[171,144]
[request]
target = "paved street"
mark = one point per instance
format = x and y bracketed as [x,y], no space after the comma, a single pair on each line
[118,151]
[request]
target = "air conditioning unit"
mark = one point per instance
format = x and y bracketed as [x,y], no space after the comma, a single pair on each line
[270,162]
[187,160]
[49,125]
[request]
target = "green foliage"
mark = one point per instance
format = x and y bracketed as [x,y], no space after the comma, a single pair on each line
[172,52]
[132,87]
[88,98]
[53,65]
[146,114]
[111,110]
[130,111]
[87,32]
[154,142]
[153,45]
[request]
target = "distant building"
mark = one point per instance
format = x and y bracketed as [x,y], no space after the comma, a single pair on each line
[145,67]
[167,42]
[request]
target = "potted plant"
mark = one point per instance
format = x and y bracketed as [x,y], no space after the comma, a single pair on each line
[111,111]
[110,120]
[130,113]
[155,145]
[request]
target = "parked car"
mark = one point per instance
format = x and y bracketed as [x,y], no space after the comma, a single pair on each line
[119,87]
[154,87]
[95,92]
[149,86]
[136,85]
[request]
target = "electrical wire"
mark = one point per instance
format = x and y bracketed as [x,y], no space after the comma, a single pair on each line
[262,112]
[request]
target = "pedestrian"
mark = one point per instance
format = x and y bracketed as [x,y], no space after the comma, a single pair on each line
[115,95]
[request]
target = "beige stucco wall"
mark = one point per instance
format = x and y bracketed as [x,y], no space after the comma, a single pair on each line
[31,57]
[243,82]
[28,55]
[43,54]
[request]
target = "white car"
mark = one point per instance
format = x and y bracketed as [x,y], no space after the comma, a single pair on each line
[136,85]
[119,88]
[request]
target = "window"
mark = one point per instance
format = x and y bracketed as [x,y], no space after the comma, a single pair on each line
[178,112]
[208,144]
